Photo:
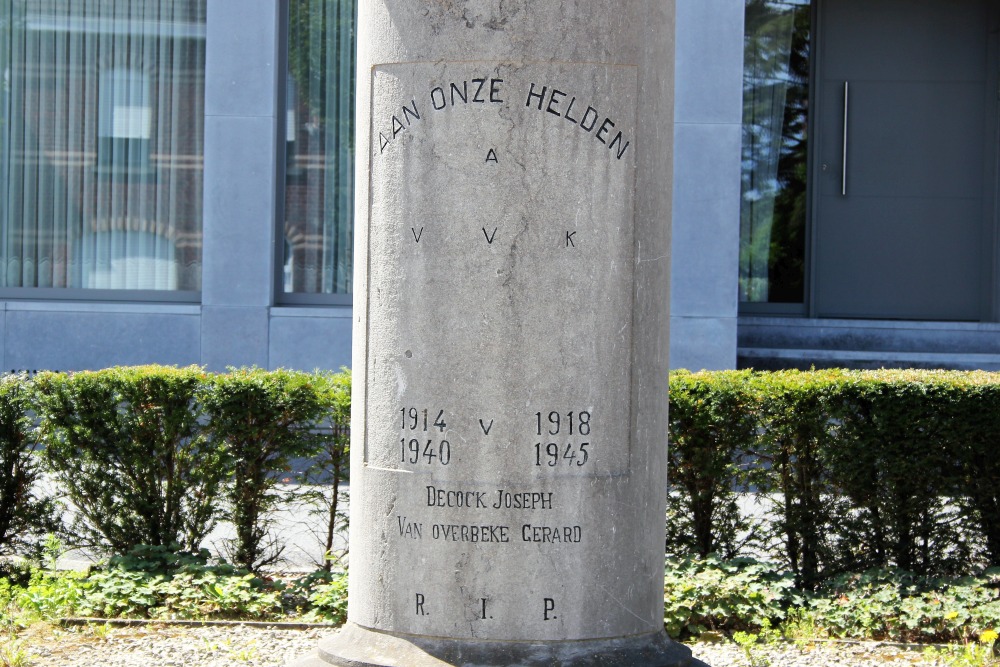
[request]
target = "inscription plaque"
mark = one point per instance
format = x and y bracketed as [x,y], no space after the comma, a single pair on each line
[499,321]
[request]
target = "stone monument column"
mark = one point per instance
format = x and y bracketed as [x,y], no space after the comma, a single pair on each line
[508,467]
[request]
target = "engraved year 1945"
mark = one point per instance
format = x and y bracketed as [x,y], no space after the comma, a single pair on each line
[418,450]
[570,424]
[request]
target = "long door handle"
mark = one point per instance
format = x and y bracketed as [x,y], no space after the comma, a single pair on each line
[843,164]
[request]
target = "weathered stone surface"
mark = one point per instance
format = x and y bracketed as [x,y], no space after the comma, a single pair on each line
[510,361]
[358,647]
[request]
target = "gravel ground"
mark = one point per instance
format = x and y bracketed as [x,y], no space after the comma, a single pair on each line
[167,646]
[821,654]
[232,646]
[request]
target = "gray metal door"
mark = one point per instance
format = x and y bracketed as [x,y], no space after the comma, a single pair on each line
[901,200]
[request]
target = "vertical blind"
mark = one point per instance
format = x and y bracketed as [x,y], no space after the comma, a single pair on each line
[319,135]
[101,142]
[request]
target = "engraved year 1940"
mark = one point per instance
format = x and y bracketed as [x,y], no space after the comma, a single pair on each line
[572,424]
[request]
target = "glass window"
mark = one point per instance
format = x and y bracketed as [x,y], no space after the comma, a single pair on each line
[319,148]
[101,136]
[775,123]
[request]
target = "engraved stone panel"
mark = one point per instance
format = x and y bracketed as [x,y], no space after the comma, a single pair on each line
[499,315]
[500,299]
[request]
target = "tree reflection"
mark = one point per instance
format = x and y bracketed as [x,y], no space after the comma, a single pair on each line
[774,171]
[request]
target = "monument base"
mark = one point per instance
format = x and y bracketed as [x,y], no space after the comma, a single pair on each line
[355,646]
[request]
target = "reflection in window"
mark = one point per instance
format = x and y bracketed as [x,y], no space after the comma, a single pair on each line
[101,135]
[319,135]
[775,116]
[124,119]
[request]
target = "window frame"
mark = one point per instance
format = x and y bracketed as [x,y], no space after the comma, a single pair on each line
[98,295]
[800,309]
[103,295]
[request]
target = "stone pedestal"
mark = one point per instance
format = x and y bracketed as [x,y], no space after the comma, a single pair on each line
[510,359]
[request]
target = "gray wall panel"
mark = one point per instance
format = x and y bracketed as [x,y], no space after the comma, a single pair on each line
[706,221]
[240,57]
[709,61]
[703,343]
[73,340]
[240,143]
[233,337]
[708,114]
[322,341]
[239,212]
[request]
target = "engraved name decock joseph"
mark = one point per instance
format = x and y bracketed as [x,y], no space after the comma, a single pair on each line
[499,320]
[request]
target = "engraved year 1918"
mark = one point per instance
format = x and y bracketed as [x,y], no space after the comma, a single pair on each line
[572,423]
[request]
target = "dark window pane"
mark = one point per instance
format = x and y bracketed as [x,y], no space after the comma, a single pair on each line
[319,136]
[775,123]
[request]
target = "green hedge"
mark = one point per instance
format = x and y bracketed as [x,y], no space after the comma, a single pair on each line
[263,420]
[827,471]
[25,514]
[127,448]
[157,455]
[711,426]
[854,469]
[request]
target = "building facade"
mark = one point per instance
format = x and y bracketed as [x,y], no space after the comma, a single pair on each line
[176,183]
